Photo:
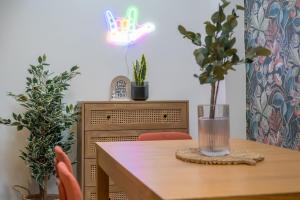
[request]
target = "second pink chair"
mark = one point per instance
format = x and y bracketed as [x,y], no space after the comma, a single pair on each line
[67,184]
[68,181]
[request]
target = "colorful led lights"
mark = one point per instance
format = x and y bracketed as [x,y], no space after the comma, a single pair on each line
[125,31]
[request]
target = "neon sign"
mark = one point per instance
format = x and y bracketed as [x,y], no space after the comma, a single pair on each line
[125,31]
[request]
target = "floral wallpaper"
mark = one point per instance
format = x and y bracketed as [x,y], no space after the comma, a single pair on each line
[273,82]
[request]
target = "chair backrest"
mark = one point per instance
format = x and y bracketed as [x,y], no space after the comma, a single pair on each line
[68,181]
[164,136]
[61,156]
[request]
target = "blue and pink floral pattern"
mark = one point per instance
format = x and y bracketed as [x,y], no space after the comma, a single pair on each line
[273,82]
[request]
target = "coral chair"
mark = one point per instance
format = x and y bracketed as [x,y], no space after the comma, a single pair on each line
[61,156]
[164,136]
[68,181]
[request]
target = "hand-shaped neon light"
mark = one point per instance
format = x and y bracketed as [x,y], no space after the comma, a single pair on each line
[125,31]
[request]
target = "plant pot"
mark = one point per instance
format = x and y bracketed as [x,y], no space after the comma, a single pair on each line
[213,130]
[26,194]
[38,197]
[139,92]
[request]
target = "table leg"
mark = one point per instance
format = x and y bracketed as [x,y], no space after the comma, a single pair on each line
[102,184]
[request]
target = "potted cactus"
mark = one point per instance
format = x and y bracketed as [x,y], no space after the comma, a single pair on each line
[140,88]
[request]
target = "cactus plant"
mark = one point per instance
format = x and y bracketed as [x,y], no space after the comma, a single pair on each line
[139,71]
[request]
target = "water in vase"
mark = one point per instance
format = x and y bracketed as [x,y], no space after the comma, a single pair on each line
[214,136]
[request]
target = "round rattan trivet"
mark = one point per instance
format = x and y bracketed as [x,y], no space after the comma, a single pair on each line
[235,157]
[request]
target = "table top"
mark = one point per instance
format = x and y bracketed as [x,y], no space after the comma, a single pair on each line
[153,165]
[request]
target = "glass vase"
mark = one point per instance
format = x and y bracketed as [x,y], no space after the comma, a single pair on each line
[213,129]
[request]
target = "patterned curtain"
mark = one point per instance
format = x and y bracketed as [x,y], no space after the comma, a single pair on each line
[273,82]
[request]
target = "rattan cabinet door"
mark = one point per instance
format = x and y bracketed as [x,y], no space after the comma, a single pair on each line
[134,116]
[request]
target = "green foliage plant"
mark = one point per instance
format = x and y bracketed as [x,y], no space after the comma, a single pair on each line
[216,54]
[139,71]
[46,117]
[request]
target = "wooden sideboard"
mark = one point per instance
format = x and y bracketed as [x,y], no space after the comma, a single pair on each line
[108,121]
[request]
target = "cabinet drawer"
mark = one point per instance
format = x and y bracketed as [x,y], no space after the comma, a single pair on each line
[135,115]
[90,193]
[91,137]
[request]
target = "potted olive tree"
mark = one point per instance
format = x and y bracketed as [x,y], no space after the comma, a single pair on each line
[139,87]
[216,55]
[47,119]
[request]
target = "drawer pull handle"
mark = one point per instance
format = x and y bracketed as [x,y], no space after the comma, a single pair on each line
[165,116]
[108,117]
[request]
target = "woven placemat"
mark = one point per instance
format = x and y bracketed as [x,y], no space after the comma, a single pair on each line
[235,157]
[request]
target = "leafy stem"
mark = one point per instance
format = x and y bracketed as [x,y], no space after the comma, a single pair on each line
[216,54]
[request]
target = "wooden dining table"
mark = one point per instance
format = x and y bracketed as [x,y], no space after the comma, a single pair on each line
[149,170]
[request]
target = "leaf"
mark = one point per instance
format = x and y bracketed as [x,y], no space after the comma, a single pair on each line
[19,127]
[74,68]
[226,28]
[200,54]
[181,29]
[219,16]
[67,109]
[203,78]
[228,66]
[261,51]
[233,22]
[210,28]
[5,121]
[194,37]
[251,53]
[263,99]
[225,3]
[40,59]
[208,41]
[15,116]
[15,124]
[44,57]
[277,100]
[229,44]
[197,39]
[22,98]
[235,59]
[230,52]
[239,7]
[219,72]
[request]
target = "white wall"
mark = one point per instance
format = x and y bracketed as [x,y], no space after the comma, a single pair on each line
[73,32]
[236,84]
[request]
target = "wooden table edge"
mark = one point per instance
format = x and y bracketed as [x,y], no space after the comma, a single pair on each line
[129,185]
[287,196]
